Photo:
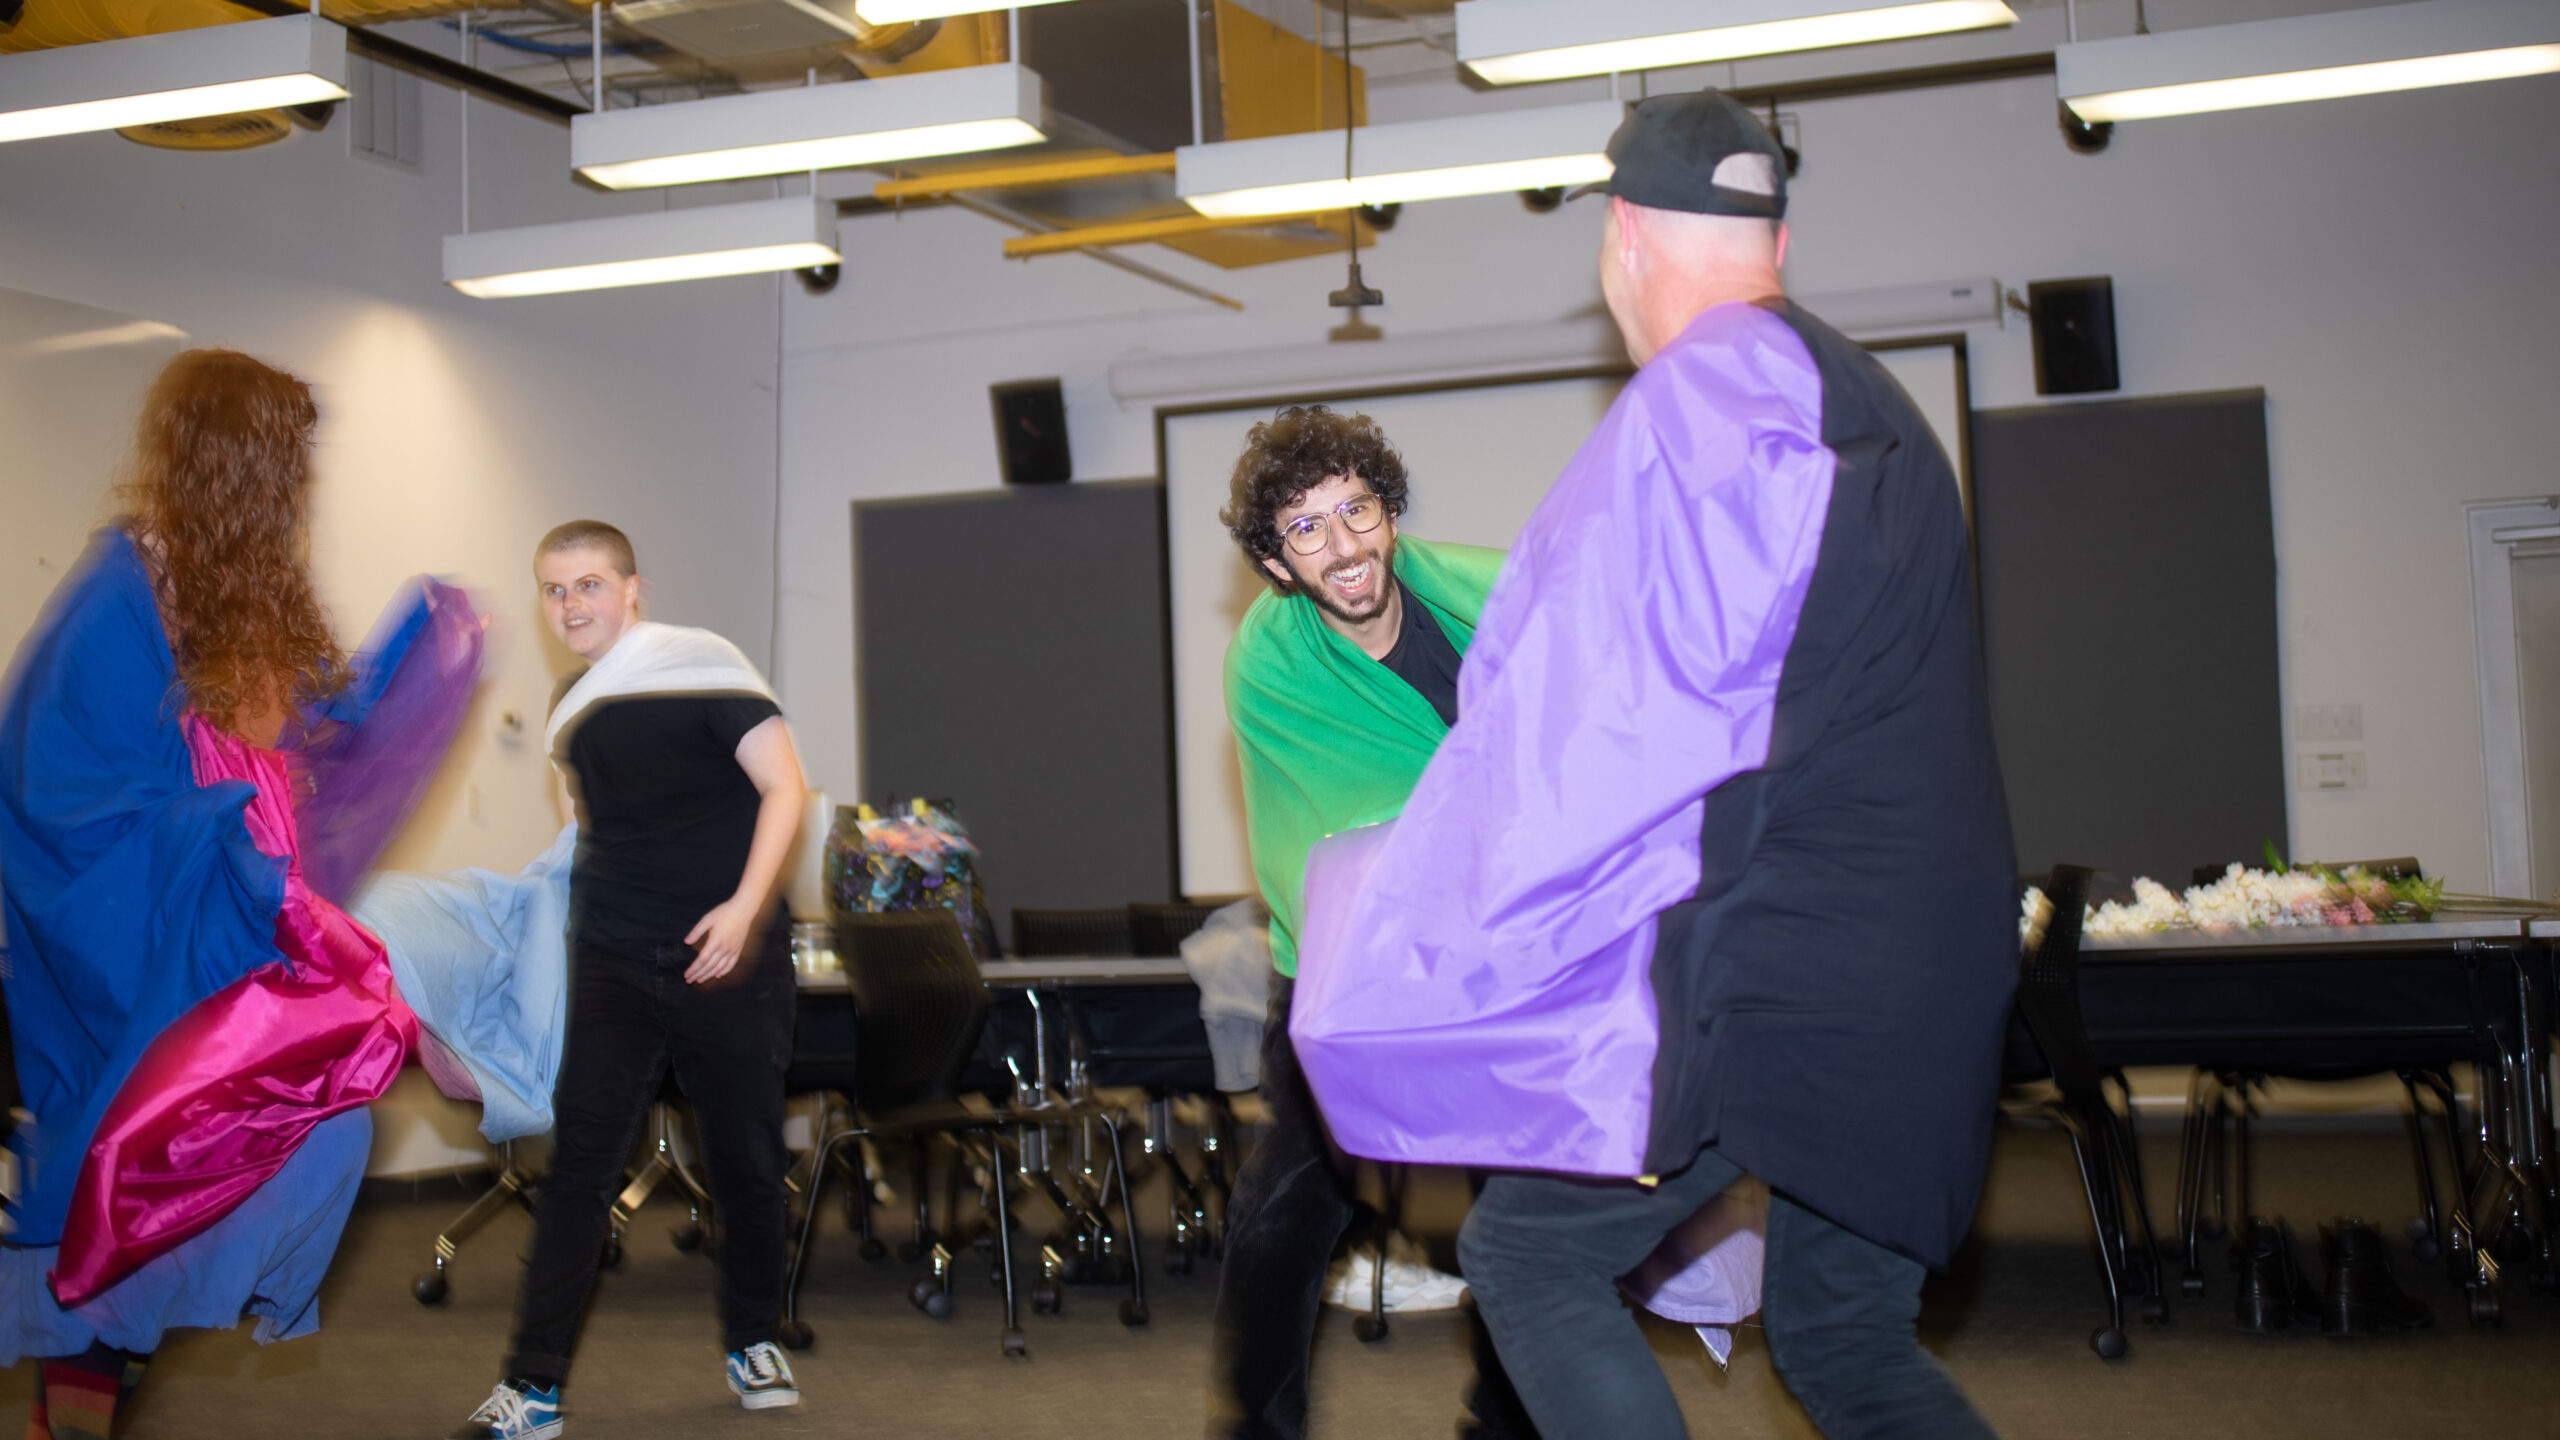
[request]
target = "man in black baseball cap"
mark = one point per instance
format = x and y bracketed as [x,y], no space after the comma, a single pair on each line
[1769,824]
[1693,153]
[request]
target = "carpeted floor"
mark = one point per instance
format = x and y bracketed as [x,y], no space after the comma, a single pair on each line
[2012,1320]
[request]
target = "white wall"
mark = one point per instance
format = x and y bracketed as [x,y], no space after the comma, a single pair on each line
[453,431]
[2379,265]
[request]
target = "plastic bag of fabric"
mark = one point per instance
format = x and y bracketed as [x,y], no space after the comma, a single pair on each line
[917,859]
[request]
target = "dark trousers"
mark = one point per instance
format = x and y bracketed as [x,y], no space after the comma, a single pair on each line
[631,1017]
[1293,1201]
[1841,1314]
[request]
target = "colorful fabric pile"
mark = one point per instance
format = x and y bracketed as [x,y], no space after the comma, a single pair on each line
[916,861]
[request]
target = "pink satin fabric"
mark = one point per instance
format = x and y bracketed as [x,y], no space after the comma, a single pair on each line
[224,1096]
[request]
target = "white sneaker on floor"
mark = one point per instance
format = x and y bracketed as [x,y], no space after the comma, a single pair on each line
[1411,1282]
[514,1411]
[761,1378]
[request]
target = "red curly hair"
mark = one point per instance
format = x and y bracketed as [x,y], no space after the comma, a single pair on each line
[220,502]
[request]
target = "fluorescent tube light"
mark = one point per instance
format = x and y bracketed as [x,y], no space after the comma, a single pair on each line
[644,249]
[178,75]
[2307,57]
[818,127]
[1421,160]
[886,12]
[1512,42]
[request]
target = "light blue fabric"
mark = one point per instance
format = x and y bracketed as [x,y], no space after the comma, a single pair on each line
[484,960]
[262,1261]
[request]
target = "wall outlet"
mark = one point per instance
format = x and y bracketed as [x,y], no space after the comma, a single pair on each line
[2329,770]
[2313,724]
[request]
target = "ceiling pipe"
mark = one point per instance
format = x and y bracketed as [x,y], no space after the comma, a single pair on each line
[428,65]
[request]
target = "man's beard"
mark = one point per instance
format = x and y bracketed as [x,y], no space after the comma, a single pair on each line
[1331,602]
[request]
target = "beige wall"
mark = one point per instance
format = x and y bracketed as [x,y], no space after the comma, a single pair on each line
[2379,265]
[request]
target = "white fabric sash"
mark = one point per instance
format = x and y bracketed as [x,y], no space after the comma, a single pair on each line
[655,659]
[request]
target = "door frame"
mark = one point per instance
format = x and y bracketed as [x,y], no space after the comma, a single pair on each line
[2497,527]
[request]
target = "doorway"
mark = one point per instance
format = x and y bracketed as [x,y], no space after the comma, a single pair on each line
[2515,598]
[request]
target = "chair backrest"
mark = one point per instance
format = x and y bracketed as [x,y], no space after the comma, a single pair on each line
[1070,932]
[1156,929]
[2049,987]
[920,1003]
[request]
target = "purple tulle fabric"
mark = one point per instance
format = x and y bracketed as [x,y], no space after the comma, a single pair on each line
[1474,984]
[365,761]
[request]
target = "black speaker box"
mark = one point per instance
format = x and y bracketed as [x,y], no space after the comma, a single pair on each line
[2075,329]
[1031,432]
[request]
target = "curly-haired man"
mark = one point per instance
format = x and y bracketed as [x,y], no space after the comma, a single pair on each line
[1340,684]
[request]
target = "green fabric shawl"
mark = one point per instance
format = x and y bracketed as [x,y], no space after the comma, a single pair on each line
[1328,739]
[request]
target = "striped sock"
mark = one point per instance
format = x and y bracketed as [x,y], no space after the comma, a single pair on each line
[79,1403]
[38,1427]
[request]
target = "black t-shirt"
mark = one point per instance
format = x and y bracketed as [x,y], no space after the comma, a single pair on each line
[1424,659]
[665,815]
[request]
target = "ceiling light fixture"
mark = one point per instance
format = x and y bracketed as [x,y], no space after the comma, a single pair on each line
[820,127]
[644,249]
[2307,57]
[1513,42]
[1418,160]
[886,12]
[177,75]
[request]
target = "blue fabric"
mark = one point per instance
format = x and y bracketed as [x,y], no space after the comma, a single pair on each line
[131,893]
[483,960]
[263,1261]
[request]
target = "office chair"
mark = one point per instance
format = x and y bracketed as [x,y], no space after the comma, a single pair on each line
[919,1005]
[2103,1141]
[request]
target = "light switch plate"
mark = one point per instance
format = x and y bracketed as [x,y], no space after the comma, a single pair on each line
[2330,770]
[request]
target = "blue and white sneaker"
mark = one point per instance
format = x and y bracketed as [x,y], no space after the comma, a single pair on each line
[761,1378]
[514,1411]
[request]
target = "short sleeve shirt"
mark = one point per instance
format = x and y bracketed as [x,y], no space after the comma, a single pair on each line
[665,814]
[1424,659]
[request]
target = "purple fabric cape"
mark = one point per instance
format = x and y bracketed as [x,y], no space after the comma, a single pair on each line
[1473,982]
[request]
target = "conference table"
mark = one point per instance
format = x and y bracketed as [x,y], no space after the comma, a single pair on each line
[2475,990]
[2335,1001]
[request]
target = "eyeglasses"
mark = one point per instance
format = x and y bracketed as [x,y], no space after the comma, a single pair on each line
[1360,514]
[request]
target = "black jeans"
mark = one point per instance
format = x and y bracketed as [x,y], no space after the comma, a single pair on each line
[1293,1200]
[1841,1314]
[630,1018]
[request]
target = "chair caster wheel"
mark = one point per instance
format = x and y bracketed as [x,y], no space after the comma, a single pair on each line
[2155,1310]
[796,1335]
[872,1249]
[1047,1298]
[1370,1328]
[2109,1343]
[929,1297]
[2484,1309]
[430,1288]
[1016,1347]
[912,1251]
[1133,1312]
[611,1259]
[2191,1284]
[687,1238]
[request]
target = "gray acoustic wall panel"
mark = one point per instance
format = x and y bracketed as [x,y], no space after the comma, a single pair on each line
[1012,659]
[2129,618]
